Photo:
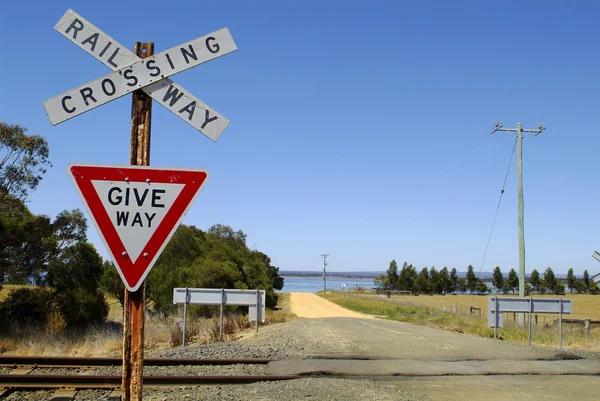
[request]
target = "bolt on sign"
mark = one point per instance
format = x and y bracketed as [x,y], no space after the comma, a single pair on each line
[136,210]
[131,73]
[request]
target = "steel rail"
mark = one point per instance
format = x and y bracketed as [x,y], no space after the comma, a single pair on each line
[76,362]
[17,382]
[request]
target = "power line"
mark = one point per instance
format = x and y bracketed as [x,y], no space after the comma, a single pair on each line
[496,213]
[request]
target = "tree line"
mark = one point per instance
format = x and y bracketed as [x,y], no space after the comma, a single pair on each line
[70,276]
[433,281]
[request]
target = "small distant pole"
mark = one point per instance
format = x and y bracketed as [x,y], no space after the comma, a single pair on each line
[324,255]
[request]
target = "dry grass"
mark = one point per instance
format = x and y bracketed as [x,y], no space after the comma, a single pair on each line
[105,340]
[160,333]
[542,334]
[7,288]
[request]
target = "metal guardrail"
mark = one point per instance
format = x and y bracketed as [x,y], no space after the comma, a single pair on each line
[499,305]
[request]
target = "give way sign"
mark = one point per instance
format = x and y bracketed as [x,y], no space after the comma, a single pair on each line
[136,210]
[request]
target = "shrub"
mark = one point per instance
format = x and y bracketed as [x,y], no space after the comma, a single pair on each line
[175,335]
[271,298]
[55,323]
[26,306]
[80,307]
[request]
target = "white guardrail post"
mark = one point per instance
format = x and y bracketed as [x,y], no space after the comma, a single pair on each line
[184,316]
[221,314]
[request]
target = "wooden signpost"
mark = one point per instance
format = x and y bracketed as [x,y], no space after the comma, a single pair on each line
[145,75]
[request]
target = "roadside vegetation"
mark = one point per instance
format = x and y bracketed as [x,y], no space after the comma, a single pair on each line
[161,333]
[398,308]
[433,281]
[60,296]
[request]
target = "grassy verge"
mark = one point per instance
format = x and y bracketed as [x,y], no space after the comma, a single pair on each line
[432,317]
[107,339]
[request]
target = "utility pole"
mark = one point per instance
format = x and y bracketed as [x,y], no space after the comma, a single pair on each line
[519,131]
[324,272]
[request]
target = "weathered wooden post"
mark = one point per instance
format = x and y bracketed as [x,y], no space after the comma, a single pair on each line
[133,326]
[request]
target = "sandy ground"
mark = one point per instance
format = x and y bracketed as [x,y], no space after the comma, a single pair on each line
[312,306]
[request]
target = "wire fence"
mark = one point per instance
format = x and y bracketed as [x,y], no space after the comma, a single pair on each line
[540,321]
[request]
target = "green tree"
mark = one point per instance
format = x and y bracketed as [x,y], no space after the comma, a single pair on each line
[471,279]
[454,278]
[392,273]
[462,285]
[534,279]
[407,278]
[217,258]
[446,283]
[498,279]
[579,287]
[436,286]
[23,162]
[401,282]
[74,278]
[382,281]
[506,287]
[422,283]
[571,280]
[111,282]
[549,280]
[25,245]
[586,281]
[481,287]
[559,288]
[513,280]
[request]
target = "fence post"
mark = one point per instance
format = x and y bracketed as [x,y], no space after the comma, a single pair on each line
[454,309]
[221,314]
[560,304]
[257,308]
[586,326]
[184,316]
[530,321]
[496,318]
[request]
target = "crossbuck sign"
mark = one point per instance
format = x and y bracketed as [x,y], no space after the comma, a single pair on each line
[131,73]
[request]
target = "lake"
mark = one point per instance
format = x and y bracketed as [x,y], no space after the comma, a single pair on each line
[314,284]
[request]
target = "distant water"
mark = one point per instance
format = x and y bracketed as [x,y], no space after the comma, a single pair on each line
[314,284]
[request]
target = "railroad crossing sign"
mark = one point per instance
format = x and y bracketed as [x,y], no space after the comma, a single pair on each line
[596,278]
[136,210]
[131,73]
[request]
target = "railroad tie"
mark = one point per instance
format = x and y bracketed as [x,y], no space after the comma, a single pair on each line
[20,371]
[63,395]
[115,395]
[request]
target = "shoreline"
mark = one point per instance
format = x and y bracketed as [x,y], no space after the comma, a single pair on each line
[332,277]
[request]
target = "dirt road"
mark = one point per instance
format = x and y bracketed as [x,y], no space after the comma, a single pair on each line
[428,363]
[312,306]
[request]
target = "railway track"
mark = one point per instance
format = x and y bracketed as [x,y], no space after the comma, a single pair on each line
[19,377]
[39,362]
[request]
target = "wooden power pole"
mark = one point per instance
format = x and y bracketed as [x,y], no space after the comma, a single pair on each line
[520,203]
[133,325]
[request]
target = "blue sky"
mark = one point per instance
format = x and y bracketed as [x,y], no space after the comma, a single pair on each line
[358,129]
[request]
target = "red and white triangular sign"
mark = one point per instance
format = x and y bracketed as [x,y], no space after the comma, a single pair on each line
[136,210]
